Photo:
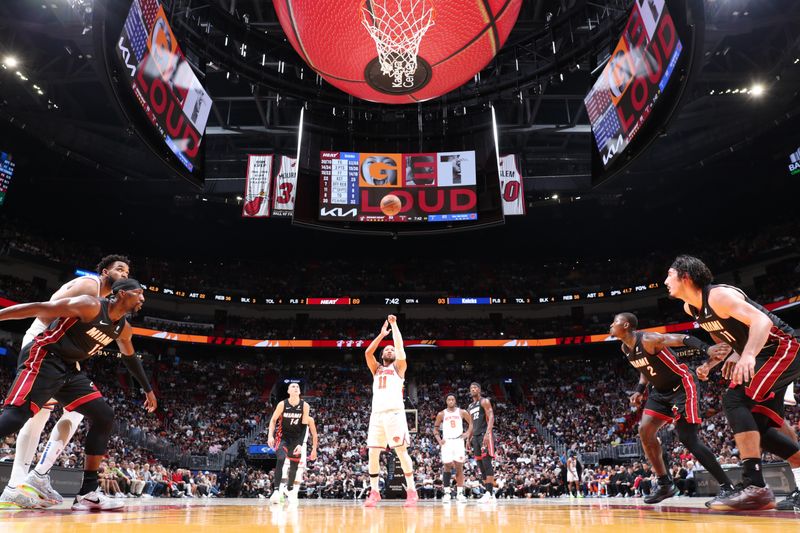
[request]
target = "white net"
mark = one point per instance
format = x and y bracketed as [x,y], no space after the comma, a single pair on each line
[397,27]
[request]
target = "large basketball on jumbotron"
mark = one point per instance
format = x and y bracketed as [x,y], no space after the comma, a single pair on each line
[332,36]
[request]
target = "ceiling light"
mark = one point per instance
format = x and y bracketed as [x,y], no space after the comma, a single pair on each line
[11,61]
[555,197]
[757,89]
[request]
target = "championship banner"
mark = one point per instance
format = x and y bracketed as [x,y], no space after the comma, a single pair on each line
[285,187]
[257,188]
[511,188]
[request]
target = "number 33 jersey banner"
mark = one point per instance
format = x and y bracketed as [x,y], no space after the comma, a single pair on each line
[285,186]
[511,189]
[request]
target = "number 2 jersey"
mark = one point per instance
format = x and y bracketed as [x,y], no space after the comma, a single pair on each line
[661,369]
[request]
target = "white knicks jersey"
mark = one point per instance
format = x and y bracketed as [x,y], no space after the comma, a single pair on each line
[387,390]
[37,326]
[452,424]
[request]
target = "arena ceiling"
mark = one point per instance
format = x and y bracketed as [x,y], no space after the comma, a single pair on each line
[63,101]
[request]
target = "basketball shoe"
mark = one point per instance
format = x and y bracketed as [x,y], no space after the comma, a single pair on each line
[373,499]
[749,498]
[37,485]
[276,497]
[13,498]
[486,498]
[661,493]
[724,492]
[96,501]
[411,498]
[791,503]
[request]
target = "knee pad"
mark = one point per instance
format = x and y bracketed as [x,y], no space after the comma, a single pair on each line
[101,416]
[778,443]
[12,419]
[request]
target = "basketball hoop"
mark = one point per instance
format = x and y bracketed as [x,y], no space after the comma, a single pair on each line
[397,27]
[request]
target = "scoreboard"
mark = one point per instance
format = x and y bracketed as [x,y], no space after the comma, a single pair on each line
[398,187]
[634,78]
[6,172]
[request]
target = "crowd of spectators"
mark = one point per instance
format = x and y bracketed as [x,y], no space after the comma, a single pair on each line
[545,408]
[506,276]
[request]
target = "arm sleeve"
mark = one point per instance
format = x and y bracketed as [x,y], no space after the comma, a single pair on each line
[694,342]
[136,369]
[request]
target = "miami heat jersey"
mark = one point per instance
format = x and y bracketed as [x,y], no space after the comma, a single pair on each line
[662,369]
[37,326]
[76,341]
[478,414]
[387,390]
[292,427]
[733,331]
[452,424]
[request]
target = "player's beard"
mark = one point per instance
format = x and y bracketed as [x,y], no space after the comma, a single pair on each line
[387,361]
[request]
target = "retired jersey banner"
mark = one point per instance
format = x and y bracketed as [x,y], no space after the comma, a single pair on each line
[511,188]
[257,189]
[285,187]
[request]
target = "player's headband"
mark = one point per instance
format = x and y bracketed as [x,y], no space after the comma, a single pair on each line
[129,284]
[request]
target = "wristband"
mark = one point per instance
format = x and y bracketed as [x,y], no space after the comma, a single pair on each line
[640,387]
[697,344]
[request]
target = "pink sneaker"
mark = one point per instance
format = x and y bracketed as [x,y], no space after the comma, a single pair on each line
[411,498]
[373,499]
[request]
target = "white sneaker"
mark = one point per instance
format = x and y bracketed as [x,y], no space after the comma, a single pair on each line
[95,501]
[460,498]
[292,496]
[276,498]
[446,498]
[16,499]
[486,498]
[39,486]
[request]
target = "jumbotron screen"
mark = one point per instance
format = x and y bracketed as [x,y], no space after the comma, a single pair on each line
[637,73]
[165,86]
[395,187]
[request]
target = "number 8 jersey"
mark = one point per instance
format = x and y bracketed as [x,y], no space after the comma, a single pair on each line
[387,390]
[662,369]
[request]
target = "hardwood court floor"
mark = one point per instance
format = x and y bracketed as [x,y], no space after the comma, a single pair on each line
[680,515]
